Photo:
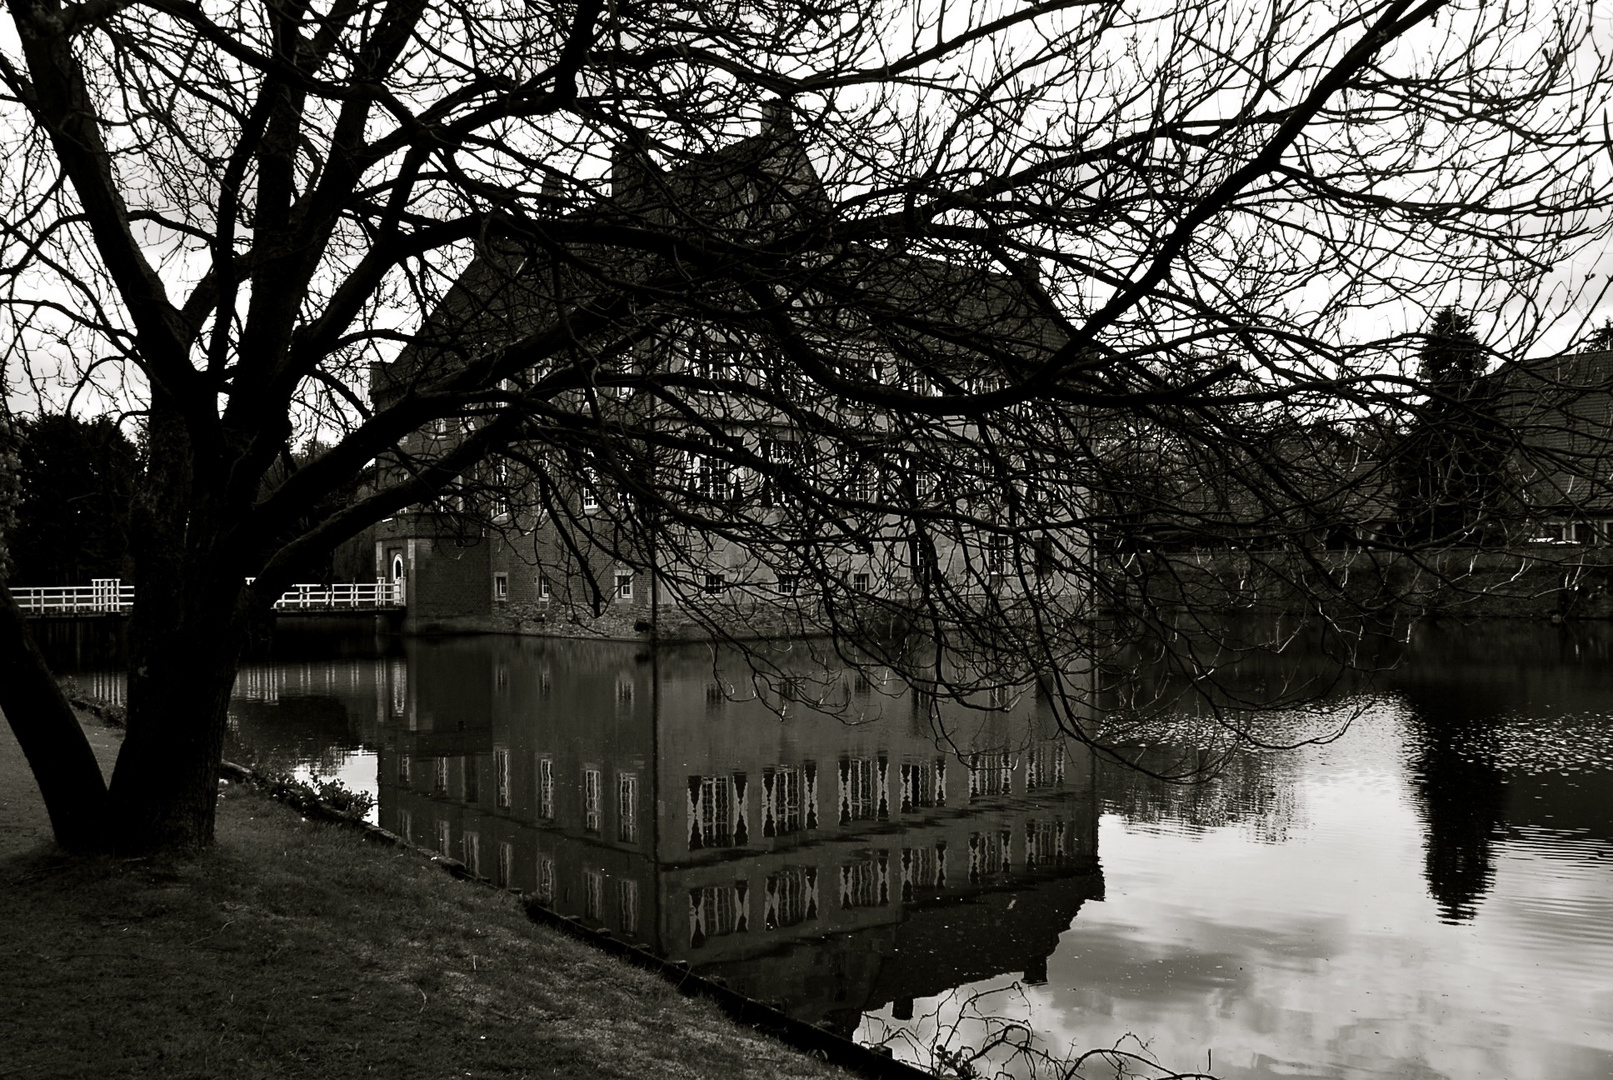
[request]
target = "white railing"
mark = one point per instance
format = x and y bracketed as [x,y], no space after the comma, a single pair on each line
[342,596]
[109,596]
[104,596]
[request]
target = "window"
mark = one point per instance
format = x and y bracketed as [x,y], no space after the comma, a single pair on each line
[590,800]
[997,554]
[717,811]
[713,357]
[784,456]
[543,587]
[501,587]
[590,496]
[627,807]
[624,585]
[860,581]
[501,777]
[715,583]
[546,789]
[788,584]
[706,476]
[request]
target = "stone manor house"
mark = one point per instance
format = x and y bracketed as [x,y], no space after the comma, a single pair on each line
[568,561]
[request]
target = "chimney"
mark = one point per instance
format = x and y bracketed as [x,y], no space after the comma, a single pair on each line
[777,116]
[628,168]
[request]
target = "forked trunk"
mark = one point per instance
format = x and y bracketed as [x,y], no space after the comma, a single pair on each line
[182,668]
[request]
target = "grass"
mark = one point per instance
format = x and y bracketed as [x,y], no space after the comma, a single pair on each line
[295,949]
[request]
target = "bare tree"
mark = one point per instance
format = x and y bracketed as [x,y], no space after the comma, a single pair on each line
[1019,295]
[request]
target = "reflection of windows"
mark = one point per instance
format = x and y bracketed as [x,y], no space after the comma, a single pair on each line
[406,826]
[865,882]
[717,811]
[1044,767]
[545,880]
[627,905]
[923,784]
[627,807]
[989,853]
[439,779]
[923,868]
[593,899]
[403,768]
[590,800]
[1044,843]
[501,777]
[546,789]
[472,845]
[444,838]
[990,773]
[792,897]
[783,796]
[858,798]
[506,865]
[473,780]
[717,911]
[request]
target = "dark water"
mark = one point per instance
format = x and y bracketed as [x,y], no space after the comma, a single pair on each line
[1428,895]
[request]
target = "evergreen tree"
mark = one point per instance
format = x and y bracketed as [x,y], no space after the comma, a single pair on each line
[1451,459]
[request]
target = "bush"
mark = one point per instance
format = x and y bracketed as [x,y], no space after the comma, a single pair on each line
[320,797]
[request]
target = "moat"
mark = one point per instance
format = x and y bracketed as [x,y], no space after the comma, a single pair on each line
[1429,894]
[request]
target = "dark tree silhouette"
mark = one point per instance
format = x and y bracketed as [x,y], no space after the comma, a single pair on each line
[1005,275]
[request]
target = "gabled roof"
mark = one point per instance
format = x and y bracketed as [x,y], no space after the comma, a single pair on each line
[747,192]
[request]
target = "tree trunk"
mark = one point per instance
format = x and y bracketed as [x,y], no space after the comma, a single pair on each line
[181,671]
[185,640]
[63,764]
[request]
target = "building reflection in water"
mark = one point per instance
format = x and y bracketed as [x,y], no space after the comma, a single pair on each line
[833,863]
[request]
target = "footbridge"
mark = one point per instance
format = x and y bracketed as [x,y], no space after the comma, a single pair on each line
[110,596]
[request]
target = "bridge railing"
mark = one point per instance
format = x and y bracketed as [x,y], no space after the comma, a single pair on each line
[105,596]
[341,596]
[109,596]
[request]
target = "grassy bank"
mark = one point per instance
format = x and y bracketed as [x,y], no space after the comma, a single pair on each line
[297,950]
